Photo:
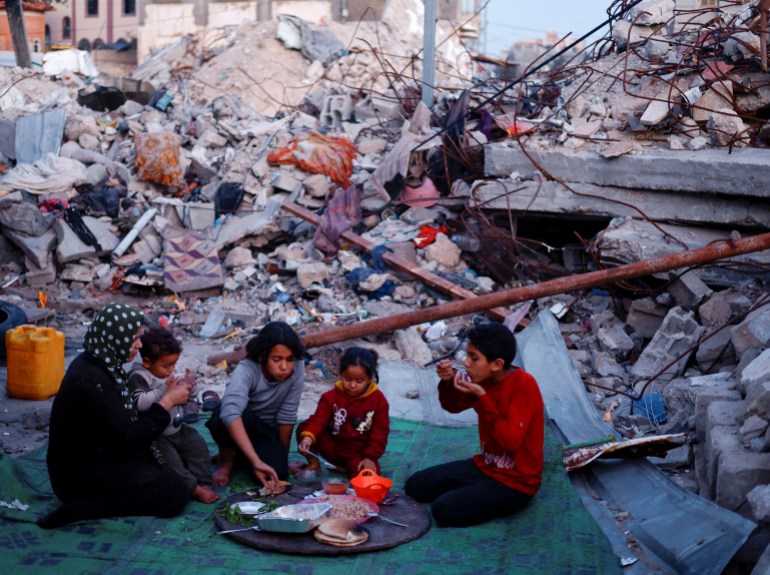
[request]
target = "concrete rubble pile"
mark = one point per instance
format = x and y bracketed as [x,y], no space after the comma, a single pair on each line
[186,187]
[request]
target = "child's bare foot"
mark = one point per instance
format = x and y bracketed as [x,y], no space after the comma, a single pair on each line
[221,475]
[204,494]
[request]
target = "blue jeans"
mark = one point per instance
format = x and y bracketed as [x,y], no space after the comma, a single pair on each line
[461,495]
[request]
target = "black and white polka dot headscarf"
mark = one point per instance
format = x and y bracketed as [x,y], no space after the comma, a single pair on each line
[109,339]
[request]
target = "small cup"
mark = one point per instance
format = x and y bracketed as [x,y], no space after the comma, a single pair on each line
[335,486]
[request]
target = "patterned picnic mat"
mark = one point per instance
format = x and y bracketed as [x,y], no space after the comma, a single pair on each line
[554,535]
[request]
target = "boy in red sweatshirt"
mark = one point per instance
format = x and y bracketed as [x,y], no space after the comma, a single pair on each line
[505,476]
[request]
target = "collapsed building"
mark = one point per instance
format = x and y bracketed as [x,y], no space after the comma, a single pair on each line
[289,171]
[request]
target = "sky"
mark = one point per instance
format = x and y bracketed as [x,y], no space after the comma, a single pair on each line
[511,20]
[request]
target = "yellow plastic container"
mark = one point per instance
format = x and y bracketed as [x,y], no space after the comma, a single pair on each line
[35,361]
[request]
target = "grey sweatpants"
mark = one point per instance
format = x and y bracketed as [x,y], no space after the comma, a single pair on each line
[186,456]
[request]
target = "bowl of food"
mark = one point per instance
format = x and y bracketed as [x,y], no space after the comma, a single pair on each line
[335,485]
[248,509]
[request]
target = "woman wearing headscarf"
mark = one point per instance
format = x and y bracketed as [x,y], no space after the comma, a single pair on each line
[101,456]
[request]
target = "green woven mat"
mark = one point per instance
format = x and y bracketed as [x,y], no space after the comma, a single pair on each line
[554,535]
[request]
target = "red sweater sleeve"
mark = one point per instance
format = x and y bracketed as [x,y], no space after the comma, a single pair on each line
[378,436]
[452,400]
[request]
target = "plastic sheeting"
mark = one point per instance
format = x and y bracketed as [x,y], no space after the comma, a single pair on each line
[682,532]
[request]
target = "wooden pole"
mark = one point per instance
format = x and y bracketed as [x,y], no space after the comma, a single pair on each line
[18,33]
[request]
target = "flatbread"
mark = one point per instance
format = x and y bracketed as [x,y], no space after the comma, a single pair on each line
[341,533]
[321,538]
[280,487]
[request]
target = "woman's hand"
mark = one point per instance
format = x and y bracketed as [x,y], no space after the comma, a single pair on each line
[445,370]
[367,463]
[177,393]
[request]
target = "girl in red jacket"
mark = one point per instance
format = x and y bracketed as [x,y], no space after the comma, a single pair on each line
[506,474]
[350,426]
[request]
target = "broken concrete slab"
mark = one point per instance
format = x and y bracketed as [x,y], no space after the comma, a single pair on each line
[738,173]
[71,248]
[37,248]
[612,201]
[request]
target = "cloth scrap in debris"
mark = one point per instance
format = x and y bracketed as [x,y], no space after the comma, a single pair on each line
[190,261]
[319,154]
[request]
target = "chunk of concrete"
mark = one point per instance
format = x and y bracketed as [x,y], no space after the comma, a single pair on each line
[721,438]
[719,96]
[753,332]
[37,248]
[715,351]
[412,347]
[689,290]
[37,276]
[645,316]
[738,473]
[310,273]
[614,339]
[715,310]
[728,408]
[667,354]
[652,12]
[72,248]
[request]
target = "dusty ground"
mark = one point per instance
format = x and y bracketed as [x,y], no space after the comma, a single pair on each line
[24,423]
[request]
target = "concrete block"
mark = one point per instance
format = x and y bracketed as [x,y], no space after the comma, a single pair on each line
[645,317]
[716,351]
[72,248]
[675,339]
[752,332]
[728,407]
[715,310]
[738,473]
[689,291]
[337,108]
[614,339]
[37,276]
[285,183]
[721,439]
[78,273]
[755,377]
[720,95]
[652,12]
[412,347]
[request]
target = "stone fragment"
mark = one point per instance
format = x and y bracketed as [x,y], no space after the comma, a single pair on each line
[670,348]
[77,273]
[37,276]
[715,351]
[715,310]
[753,428]
[614,339]
[719,96]
[412,347]
[742,46]
[238,257]
[753,331]
[739,472]
[310,273]
[652,12]
[657,110]
[725,127]
[37,249]
[645,316]
[444,252]
[689,291]
[759,500]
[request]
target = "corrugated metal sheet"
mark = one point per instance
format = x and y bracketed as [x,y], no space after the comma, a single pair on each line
[39,134]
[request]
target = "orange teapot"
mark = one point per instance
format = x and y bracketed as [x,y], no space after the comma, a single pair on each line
[368,485]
